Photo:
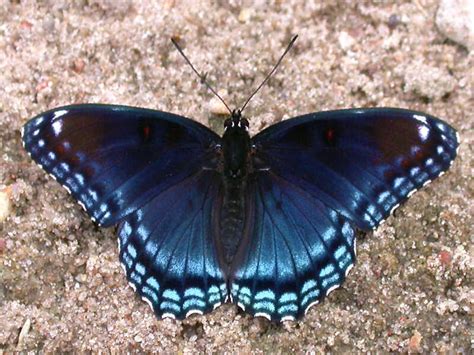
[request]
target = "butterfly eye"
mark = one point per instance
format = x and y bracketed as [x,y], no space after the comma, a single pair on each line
[228,123]
[244,122]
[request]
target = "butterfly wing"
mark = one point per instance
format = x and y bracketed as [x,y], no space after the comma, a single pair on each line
[113,159]
[362,163]
[153,172]
[167,251]
[316,177]
[298,251]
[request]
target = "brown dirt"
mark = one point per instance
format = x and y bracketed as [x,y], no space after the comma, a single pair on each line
[62,288]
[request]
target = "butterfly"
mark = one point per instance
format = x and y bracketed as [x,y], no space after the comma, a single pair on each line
[265,222]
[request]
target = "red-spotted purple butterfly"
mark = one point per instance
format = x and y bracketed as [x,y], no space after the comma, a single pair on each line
[265,222]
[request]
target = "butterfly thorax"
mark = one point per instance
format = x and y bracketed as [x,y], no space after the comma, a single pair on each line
[236,147]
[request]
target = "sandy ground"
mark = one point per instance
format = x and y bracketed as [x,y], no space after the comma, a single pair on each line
[62,288]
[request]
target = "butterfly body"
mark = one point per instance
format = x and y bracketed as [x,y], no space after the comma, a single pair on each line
[265,222]
[237,165]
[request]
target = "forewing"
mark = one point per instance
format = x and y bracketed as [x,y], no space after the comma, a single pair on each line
[362,163]
[297,252]
[167,250]
[113,159]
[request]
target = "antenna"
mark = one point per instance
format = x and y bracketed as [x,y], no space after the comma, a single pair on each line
[271,73]
[202,77]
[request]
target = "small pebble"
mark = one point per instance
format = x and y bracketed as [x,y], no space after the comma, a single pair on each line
[82,296]
[415,342]
[216,107]
[5,205]
[78,66]
[346,41]
[245,15]
[24,332]
[26,25]
[455,19]
[393,21]
[445,257]
[81,278]
[428,81]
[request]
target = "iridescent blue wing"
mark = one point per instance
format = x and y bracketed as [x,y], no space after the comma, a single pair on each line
[316,177]
[363,162]
[297,252]
[113,159]
[153,172]
[167,249]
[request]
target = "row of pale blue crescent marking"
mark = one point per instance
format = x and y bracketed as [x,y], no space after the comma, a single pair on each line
[165,301]
[309,289]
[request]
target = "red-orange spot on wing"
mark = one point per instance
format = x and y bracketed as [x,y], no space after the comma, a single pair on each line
[330,135]
[406,164]
[146,132]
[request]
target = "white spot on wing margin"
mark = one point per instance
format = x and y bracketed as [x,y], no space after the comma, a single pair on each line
[59,113]
[168,315]
[314,303]
[349,268]
[420,118]
[149,303]
[332,288]
[193,311]
[263,315]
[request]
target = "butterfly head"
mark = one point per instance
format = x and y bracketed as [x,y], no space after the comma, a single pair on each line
[236,121]
[236,146]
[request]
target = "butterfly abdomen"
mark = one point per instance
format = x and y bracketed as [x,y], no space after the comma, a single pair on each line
[232,220]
